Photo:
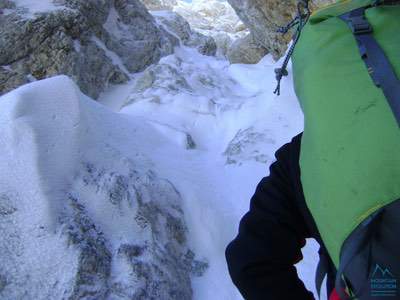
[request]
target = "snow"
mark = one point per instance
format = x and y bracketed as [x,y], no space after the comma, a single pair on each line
[215,194]
[218,101]
[29,161]
[213,18]
[209,16]
[49,134]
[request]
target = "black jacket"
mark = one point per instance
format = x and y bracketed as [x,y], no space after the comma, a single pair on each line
[261,258]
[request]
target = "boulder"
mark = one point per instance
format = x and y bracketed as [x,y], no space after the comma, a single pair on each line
[246,51]
[132,33]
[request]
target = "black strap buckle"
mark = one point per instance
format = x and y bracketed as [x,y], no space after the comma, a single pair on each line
[359,25]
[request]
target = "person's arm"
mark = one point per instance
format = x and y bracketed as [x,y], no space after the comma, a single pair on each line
[261,258]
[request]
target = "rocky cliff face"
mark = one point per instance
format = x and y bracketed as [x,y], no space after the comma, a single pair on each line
[87,40]
[96,42]
[263,17]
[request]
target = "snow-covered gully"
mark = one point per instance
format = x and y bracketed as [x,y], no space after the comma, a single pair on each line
[137,195]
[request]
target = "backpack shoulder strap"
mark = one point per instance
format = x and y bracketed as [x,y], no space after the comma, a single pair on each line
[378,65]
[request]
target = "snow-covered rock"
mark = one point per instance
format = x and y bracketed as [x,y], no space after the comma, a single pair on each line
[84,215]
[210,15]
[160,4]
[213,18]
[178,26]
[95,42]
[247,145]
[132,33]
[186,80]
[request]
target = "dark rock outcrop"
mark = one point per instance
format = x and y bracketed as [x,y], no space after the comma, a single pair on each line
[95,42]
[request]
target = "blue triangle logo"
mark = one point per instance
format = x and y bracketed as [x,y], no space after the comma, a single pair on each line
[379,271]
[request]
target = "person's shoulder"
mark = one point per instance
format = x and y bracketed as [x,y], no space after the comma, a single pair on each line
[290,150]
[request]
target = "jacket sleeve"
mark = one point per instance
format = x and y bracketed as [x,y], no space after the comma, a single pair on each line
[261,258]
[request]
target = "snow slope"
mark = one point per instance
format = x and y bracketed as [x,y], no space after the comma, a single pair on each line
[211,139]
[236,123]
[83,209]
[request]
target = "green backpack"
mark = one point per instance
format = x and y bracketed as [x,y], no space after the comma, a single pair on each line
[344,67]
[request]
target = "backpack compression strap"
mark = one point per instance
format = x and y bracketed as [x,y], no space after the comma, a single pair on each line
[378,65]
